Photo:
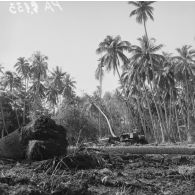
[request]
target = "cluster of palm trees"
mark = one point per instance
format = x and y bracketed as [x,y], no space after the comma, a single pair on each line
[34,89]
[157,86]
[156,89]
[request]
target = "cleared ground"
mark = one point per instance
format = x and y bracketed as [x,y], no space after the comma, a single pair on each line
[96,172]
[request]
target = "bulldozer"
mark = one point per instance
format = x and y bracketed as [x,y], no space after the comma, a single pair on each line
[132,138]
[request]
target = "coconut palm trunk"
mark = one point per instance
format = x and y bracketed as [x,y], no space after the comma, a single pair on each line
[3,119]
[161,128]
[177,123]
[108,122]
[150,111]
[166,115]
[24,109]
[126,101]
[99,117]
[141,117]
[188,109]
[184,119]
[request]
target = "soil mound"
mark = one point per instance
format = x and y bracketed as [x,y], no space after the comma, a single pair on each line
[40,139]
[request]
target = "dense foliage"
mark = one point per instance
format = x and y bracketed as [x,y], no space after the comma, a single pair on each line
[155,94]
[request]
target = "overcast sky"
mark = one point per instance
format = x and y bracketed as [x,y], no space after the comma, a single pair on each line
[69,37]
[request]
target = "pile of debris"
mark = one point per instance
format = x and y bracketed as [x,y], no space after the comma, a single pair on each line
[40,139]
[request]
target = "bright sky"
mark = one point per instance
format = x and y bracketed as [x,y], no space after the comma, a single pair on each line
[70,37]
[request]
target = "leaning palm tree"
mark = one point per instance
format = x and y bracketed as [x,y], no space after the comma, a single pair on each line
[113,49]
[92,103]
[113,53]
[99,73]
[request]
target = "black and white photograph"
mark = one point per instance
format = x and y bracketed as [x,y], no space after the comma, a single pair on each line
[97,98]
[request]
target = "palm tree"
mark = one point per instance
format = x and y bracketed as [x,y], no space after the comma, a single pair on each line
[68,88]
[142,12]
[39,68]
[92,103]
[141,56]
[113,50]
[12,82]
[23,68]
[113,54]
[140,72]
[185,72]
[57,77]
[99,73]
[166,87]
[52,96]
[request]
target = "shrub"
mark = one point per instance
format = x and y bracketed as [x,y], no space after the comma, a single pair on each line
[79,126]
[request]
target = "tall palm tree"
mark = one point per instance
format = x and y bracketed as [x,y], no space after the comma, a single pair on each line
[23,68]
[57,77]
[167,92]
[141,56]
[142,12]
[185,72]
[140,71]
[113,49]
[39,68]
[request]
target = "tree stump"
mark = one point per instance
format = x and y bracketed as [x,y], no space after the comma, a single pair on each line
[40,139]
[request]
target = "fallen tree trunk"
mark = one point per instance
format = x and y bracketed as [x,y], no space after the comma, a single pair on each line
[183,150]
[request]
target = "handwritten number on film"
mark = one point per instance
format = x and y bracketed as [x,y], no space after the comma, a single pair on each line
[33,7]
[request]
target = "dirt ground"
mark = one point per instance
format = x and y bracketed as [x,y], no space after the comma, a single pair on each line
[98,173]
